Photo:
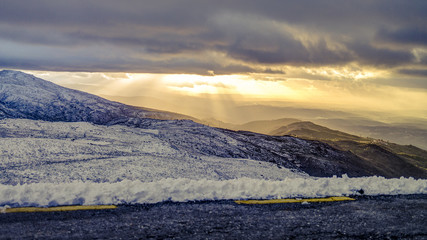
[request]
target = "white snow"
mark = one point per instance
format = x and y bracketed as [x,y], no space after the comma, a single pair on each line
[182,189]
[58,152]
[59,163]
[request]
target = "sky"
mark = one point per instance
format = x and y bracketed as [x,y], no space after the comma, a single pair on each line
[353,55]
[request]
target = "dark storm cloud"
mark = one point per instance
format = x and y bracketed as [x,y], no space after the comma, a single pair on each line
[414,72]
[198,36]
[291,52]
[415,36]
[378,56]
[279,50]
[130,65]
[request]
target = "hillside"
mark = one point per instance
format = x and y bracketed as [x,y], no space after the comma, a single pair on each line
[391,158]
[412,131]
[23,96]
[266,126]
[262,126]
[384,155]
[309,130]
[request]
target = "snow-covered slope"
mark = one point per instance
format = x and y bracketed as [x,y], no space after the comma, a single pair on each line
[25,96]
[61,163]
[56,152]
[70,147]
[36,144]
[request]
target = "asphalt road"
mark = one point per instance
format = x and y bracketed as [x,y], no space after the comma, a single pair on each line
[382,217]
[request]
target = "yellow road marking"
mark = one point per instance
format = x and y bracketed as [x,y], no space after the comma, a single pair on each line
[60,208]
[99,207]
[290,200]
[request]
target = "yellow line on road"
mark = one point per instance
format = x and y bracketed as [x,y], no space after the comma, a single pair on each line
[60,208]
[290,200]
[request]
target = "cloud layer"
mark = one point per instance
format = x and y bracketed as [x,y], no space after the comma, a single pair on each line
[206,37]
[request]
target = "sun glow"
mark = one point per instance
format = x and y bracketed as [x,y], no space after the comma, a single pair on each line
[349,73]
[316,87]
[228,84]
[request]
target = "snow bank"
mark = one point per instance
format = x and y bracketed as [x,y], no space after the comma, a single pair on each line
[181,190]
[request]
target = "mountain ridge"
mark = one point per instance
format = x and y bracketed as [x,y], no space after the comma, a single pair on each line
[378,152]
[25,96]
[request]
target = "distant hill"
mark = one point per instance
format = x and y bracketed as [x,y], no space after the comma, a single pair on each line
[266,127]
[212,122]
[262,126]
[410,131]
[313,131]
[391,157]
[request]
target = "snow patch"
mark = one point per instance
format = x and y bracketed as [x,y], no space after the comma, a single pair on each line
[59,152]
[183,189]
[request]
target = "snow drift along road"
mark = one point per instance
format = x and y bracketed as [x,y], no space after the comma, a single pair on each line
[128,192]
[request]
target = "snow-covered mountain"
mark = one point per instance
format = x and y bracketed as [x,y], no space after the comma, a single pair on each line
[34,151]
[67,163]
[69,147]
[25,96]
